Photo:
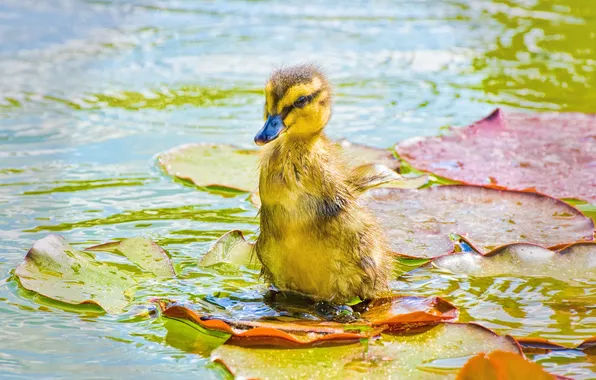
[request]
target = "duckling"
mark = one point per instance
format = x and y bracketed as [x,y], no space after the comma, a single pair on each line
[315,238]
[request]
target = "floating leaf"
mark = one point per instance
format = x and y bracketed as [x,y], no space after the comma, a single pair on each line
[271,332]
[501,365]
[55,270]
[542,346]
[419,222]
[213,166]
[225,166]
[431,354]
[143,252]
[230,248]
[396,313]
[403,312]
[574,262]
[554,153]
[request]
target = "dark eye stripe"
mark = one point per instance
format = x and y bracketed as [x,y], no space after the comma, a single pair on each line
[287,109]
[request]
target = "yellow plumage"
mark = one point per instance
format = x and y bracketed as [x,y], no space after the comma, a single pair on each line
[315,238]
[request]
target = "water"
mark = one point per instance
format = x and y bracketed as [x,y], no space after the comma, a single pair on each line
[91,91]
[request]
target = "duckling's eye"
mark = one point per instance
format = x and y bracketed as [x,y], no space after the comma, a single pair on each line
[301,102]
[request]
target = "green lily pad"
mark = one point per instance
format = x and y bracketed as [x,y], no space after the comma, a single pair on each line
[419,223]
[230,248]
[435,353]
[227,167]
[577,261]
[56,270]
[143,252]
[213,166]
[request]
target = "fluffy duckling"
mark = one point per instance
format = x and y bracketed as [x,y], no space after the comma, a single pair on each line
[315,238]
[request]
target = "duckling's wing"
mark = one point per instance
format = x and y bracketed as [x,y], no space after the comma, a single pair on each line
[367,176]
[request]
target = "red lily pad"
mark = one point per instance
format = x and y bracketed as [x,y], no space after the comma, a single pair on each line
[576,261]
[56,270]
[214,166]
[434,353]
[397,313]
[553,153]
[502,365]
[419,222]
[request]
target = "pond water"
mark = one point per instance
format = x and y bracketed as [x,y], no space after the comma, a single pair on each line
[91,91]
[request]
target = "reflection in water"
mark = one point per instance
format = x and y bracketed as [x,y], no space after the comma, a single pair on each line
[93,90]
[545,58]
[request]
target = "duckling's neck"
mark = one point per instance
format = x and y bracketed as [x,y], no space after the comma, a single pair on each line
[301,176]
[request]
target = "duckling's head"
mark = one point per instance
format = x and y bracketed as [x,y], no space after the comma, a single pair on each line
[297,104]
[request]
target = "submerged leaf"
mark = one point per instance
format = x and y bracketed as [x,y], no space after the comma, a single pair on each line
[56,270]
[554,153]
[231,248]
[143,252]
[419,222]
[500,365]
[395,314]
[574,262]
[431,354]
[225,166]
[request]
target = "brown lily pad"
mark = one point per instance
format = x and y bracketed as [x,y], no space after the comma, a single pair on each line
[56,270]
[576,261]
[214,166]
[502,365]
[533,345]
[431,354]
[553,153]
[391,314]
[419,222]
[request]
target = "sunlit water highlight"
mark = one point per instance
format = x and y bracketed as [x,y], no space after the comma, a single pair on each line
[91,91]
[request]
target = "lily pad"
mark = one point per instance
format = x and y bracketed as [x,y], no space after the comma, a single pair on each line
[56,270]
[577,261]
[391,314]
[431,354]
[213,166]
[142,252]
[554,153]
[535,345]
[230,248]
[502,365]
[419,222]
[227,167]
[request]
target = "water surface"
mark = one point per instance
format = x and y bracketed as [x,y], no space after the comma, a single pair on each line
[91,91]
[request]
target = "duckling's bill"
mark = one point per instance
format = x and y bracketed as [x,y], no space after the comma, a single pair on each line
[273,127]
